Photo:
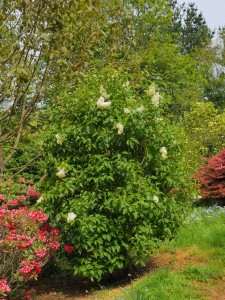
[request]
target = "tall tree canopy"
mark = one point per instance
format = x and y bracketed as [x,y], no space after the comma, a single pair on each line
[190,25]
[47,46]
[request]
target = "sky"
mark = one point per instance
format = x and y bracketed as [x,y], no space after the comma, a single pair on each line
[213,11]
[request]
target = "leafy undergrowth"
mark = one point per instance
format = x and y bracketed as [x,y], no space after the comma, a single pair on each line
[190,267]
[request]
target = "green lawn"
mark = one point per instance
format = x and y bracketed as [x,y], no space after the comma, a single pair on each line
[195,265]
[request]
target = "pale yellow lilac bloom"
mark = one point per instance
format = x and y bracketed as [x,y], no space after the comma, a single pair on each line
[151,90]
[104,93]
[70,217]
[101,104]
[59,139]
[163,153]
[39,200]
[140,109]
[155,99]
[119,126]
[61,173]
[127,111]
[155,199]
[126,84]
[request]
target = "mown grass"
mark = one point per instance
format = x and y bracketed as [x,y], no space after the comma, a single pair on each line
[162,284]
[195,278]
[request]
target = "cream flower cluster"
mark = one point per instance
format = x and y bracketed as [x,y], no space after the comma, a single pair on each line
[128,111]
[40,199]
[155,199]
[103,92]
[59,139]
[101,104]
[61,173]
[154,95]
[151,90]
[119,126]
[155,99]
[70,217]
[140,109]
[163,153]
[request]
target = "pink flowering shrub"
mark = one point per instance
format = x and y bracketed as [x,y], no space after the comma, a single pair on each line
[18,193]
[27,241]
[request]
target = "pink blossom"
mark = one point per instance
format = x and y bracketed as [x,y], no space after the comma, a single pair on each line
[38,215]
[46,227]
[68,248]
[27,231]
[4,286]
[32,192]
[30,267]
[27,295]
[12,202]
[41,253]
[42,236]
[55,232]
[54,246]
[21,198]
[9,181]
[21,180]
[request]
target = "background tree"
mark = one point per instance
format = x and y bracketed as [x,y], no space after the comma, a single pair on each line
[190,26]
[42,42]
[48,46]
[215,89]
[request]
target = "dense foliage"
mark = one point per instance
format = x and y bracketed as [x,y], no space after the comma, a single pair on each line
[116,184]
[204,126]
[79,98]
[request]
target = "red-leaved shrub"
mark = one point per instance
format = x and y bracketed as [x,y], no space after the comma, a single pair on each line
[212,177]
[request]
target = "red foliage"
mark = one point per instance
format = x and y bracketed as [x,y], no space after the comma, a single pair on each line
[212,177]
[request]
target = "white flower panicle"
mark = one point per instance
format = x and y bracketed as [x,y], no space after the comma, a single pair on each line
[101,104]
[151,90]
[59,139]
[163,153]
[126,84]
[159,119]
[119,126]
[155,99]
[70,217]
[127,111]
[103,93]
[140,109]
[101,99]
[61,173]
[40,199]
[156,199]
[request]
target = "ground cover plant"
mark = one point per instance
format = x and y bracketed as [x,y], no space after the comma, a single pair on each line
[200,267]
